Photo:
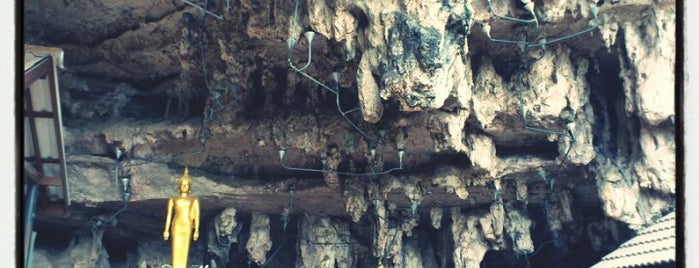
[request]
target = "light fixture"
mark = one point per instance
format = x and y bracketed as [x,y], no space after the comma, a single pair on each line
[292,42]
[400,157]
[336,77]
[530,7]
[486,29]
[285,217]
[377,203]
[282,152]
[413,208]
[126,188]
[203,9]
[309,36]
[594,9]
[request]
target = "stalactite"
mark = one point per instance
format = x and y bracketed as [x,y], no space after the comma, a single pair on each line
[451,181]
[418,72]
[333,159]
[324,243]
[355,201]
[222,232]
[414,192]
[411,255]
[495,223]
[260,241]
[436,217]
[518,226]
[522,191]
[559,216]
[469,246]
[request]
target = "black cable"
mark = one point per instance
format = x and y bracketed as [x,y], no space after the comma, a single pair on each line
[275,252]
[537,251]
[100,223]
[390,246]
[286,220]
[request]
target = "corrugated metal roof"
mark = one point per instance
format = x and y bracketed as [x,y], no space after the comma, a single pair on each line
[652,245]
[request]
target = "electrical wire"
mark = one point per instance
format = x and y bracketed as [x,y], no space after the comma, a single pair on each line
[275,252]
[281,161]
[203,10]
[285,219]
[525,45]
[344,114]
[532,20]
[292,41]
[309,37]
[387,250]
[527,256]
[391,224]
[214,95]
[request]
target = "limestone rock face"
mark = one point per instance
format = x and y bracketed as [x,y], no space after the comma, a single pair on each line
[324,242]
[259,242]
[400,42]
[603,233]
[451,182]
[369,95]
[647,66]
[518,226]
[469,245]
[355,201]
[84,250]
[436,217]
[655,170]
[404,110]
[222,234]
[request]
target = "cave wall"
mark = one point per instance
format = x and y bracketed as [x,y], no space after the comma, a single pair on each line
[417,126]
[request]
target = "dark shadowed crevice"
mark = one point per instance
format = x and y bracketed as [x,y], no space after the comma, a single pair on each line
[540,148]
[256,96]
[146,107]
[358,14]
[53,238]
[607,99]
[280,81]
[118,248]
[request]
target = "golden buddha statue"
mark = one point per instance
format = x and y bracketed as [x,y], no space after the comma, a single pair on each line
[186,218]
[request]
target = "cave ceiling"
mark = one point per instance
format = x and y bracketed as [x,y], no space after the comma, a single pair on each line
[411,103]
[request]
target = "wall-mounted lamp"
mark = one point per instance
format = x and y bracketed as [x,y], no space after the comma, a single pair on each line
[529,6]
[486,29]
[497,187]
[282,152]
[401,152]
[126,188]
[309,36]
[117,153]
[324,161]
[292,42]
[336,77]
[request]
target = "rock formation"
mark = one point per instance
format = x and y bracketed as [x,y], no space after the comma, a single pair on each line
[405,133]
